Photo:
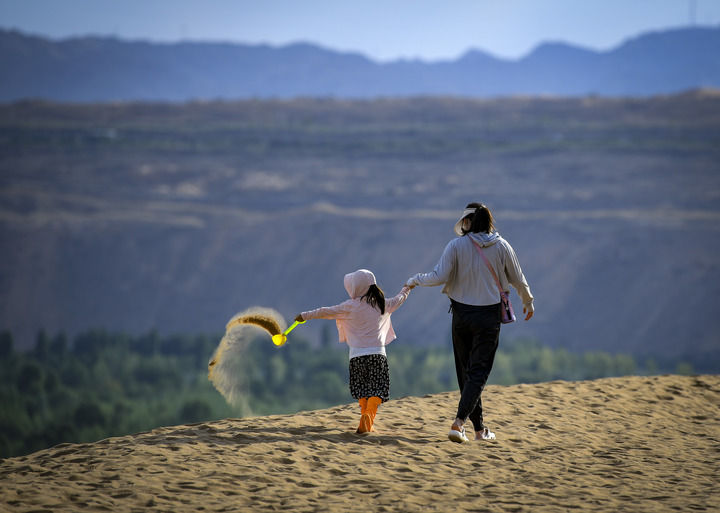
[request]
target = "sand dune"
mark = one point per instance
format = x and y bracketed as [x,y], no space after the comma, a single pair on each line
[623,444]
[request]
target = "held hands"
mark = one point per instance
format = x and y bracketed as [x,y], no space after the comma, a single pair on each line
[412,282]
[299,318]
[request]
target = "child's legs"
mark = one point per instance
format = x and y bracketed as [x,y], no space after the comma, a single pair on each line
[372,406]
[370,385]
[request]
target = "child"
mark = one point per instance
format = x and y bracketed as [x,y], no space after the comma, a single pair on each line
[363,322]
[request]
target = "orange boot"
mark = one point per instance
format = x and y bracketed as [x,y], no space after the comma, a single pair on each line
[372,406]
[365,420]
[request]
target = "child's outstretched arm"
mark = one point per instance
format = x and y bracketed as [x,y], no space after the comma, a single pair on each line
[396,302]
[341,311]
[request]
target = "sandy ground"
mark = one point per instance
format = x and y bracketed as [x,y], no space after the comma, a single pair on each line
[623,444]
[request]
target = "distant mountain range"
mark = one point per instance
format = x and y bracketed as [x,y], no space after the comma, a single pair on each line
[93,69]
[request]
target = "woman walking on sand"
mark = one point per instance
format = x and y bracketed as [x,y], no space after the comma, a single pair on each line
[363,322]
[475,304]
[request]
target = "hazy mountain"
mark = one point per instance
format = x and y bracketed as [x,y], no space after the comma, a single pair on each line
[105,69]
[176,217]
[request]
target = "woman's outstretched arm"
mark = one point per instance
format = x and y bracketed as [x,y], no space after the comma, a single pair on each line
[440,274]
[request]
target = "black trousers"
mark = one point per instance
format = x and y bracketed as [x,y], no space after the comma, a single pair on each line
[475,335]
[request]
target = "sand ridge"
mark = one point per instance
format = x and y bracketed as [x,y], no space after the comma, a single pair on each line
[620,444]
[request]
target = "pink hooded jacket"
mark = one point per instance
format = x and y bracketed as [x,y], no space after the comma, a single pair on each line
[359,324]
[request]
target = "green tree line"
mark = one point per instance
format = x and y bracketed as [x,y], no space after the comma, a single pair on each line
[104,384]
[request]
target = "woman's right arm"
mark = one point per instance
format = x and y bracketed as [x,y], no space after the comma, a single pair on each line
[442,272]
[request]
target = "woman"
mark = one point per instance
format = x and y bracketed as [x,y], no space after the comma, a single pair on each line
[475,304]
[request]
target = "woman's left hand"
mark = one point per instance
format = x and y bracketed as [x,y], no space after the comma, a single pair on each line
[529,313]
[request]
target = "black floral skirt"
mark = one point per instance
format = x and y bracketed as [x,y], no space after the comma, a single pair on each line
[370,377]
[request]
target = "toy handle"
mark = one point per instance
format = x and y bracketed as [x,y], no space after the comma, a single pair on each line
[292,326]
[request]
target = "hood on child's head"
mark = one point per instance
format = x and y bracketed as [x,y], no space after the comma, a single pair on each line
[358,283]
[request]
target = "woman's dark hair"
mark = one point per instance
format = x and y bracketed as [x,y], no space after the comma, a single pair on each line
[375,297]
[481,221]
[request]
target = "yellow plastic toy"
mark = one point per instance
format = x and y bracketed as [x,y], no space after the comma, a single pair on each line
[281,338]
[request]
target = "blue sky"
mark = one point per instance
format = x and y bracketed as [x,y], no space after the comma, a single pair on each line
[381,29]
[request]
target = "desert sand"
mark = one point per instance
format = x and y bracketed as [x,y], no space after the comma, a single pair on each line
[621,444]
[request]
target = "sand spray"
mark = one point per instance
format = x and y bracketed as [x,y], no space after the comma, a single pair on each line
[224,368]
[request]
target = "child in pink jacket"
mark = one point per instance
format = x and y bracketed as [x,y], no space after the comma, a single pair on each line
[363,322]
